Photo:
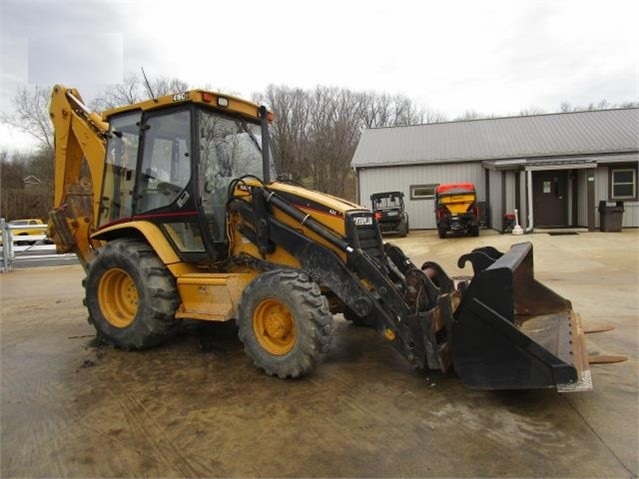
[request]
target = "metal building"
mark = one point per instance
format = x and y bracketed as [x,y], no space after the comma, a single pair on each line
[555,169]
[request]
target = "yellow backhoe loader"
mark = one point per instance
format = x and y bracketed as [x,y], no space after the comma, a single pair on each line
[174,211]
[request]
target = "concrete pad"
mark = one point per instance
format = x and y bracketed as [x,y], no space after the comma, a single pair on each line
[196,407]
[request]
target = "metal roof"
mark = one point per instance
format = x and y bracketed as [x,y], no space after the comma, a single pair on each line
[549,135]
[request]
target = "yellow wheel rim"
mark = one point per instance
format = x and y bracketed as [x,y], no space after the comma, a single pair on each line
[118,297]
[274,327]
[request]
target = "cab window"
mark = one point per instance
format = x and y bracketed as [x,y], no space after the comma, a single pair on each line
[166,166]
[120,171]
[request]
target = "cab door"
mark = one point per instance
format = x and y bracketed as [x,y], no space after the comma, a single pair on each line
[164,191]
[116,200]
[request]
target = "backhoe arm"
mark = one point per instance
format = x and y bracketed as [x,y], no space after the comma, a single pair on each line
[79,135]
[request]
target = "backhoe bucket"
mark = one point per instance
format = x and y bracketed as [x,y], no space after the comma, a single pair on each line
[512,332]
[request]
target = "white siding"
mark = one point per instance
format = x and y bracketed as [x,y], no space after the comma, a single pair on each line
[582,197]
[400,178]
[601,185]
[495,212]
[570,194]
[631,214]
[523,201]
[510,177]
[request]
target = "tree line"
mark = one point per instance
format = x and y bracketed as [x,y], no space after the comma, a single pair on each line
[313,138]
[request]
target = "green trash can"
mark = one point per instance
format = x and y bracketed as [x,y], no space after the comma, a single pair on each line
[610,217]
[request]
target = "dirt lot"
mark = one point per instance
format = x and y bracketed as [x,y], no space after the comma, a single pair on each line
[196,407]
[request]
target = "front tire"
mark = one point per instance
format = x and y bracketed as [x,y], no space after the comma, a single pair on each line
[131,295]
[285,323]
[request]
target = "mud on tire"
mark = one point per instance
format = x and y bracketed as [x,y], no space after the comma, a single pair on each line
[130,294]
[284,323]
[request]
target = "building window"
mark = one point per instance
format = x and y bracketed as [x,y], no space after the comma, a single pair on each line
[423,192]
[623,183]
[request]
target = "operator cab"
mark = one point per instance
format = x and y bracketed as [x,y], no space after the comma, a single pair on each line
[173,166]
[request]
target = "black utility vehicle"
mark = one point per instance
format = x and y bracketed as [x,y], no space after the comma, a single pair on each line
[389,211]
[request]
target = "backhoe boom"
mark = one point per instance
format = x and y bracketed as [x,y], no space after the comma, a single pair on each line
[80,147]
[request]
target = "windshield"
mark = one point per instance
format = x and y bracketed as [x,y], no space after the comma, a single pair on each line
[229,148]
[387,202]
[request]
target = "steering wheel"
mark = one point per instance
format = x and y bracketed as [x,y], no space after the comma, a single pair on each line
[168,189]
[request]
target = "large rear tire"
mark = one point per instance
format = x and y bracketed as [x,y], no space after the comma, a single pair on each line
[285,323]
[131,295]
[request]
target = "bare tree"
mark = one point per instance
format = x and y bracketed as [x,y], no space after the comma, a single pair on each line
[565,107]
[472,115]
[434,116]
[32,115]
[19,199]
[167,86]
[133,90]
[382,110]
[316,132]
[289,131]
[603,104]
[376,111]
[406,113]
[531,110]
[125,93]
[334,132]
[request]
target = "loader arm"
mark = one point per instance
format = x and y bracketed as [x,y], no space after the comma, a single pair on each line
[80,148]
[402,302]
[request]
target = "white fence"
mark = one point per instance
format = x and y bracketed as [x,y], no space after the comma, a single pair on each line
[12,243]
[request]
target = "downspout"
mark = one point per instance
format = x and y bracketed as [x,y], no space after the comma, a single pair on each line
[529,202]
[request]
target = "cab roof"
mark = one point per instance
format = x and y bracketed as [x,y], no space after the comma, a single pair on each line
[218,101]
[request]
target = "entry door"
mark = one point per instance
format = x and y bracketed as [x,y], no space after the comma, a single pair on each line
[550,196]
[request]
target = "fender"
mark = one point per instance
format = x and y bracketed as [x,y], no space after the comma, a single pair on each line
[151,233]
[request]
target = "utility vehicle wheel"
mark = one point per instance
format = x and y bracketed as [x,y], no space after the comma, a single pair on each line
[131,295]
[403,228]
[441,232]
[284,322]
[366,322]
[474,231]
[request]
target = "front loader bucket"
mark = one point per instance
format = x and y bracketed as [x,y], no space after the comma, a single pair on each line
[512,332]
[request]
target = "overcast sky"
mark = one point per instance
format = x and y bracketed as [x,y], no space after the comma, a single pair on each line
[449,56]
